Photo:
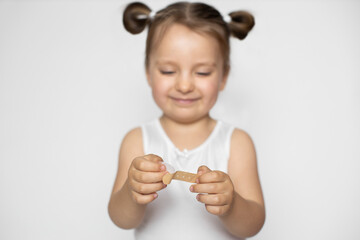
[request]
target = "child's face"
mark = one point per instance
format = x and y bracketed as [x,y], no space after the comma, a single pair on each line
[186,73]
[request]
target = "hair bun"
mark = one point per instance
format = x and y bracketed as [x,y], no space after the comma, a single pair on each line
[136,17]
[241,24]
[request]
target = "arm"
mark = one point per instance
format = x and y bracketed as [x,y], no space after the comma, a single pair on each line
[137,181]
[235,197]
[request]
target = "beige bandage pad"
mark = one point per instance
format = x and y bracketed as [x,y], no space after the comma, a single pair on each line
[179,175]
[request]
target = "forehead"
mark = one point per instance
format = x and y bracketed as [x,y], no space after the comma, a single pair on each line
[179,41]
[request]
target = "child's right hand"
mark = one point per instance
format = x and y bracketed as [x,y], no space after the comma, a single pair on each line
[145,178]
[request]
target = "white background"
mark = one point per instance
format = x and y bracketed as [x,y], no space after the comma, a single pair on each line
[72,84]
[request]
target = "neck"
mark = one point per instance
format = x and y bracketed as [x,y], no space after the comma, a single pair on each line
[188,135]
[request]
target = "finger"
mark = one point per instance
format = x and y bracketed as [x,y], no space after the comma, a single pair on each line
[203,169]
[217,210]
[146,188]
[144,199]
[148,177]
[153,157]
[207,188]
[213,199]
[145,165]
[213,176]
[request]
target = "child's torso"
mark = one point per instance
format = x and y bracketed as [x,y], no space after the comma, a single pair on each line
[176,214]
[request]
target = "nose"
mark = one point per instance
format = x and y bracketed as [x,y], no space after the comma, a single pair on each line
[184,84]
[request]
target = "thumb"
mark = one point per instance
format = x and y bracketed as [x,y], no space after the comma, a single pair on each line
[203,169]
[153,157]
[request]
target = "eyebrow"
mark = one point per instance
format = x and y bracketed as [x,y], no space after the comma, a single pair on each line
[212,64]
[157,62]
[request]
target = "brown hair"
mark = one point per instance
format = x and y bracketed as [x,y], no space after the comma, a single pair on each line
[199,17]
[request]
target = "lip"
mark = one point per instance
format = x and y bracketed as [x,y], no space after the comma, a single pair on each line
[184,101]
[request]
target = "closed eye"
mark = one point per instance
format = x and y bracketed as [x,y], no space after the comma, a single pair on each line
[203,73]
[167,72]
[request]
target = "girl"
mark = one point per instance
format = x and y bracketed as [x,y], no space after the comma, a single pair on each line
[187,65]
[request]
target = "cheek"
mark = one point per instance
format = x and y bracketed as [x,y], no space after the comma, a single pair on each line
[210,90]
[160,91]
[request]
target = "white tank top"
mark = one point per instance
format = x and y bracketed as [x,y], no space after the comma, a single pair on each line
[176,214]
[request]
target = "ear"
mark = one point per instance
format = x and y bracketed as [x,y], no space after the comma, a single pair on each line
[224,79]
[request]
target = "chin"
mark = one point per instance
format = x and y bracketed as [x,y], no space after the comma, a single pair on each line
[184,118]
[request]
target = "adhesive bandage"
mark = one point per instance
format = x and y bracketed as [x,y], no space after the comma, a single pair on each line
[178,175]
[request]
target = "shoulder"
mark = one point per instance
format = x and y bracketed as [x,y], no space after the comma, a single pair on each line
[133,135]
[241,139]
[242,152]
[132,141]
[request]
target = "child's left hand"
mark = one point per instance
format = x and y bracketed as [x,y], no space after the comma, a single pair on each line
[215,189]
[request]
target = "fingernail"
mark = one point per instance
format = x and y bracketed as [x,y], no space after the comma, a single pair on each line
[191,188]
[155,195]
[162,168]
[198,197]
[164,185]
[197,180]
[200,172]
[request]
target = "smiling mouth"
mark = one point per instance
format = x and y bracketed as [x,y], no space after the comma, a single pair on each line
[184,101]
